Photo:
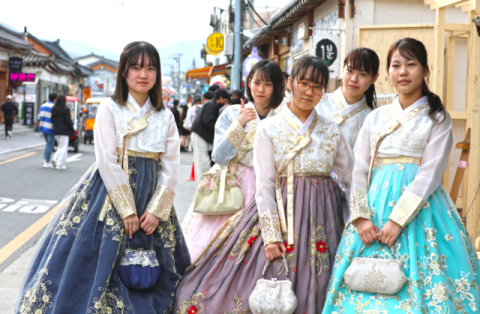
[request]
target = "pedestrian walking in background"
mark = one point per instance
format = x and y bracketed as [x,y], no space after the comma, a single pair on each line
[297,210]
[183,130]
[203,131]
[63,129]
[207,96]
[125,197]
[176,113]
[192,111]
[46,127]
[234,135]
[10,111]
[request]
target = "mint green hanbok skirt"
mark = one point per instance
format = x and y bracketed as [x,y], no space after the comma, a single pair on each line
[437,255]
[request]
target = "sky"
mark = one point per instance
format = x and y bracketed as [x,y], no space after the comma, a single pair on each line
[111,24]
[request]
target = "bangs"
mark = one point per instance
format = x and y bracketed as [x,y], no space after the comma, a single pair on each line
[262,74]
[313,73]
[137,54]
[359,61]
[407,52]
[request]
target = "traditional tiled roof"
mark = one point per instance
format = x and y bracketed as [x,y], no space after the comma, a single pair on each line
[13,40]
[291,13]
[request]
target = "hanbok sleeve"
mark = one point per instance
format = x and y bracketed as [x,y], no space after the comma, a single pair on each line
[161,202]
[343,165]
[264,167]
[113,176]
[229,136]
[429,174]
[359,187]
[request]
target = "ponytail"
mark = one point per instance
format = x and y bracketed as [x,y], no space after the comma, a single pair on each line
[434,102]
[371,97]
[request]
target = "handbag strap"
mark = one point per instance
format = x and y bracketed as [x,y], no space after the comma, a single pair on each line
[151,241]
[392,249]
[284,260]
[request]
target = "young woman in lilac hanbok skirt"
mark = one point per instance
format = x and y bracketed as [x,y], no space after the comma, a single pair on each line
[76,266]
[350,104]
[398,201]
[234,135]
[297,210]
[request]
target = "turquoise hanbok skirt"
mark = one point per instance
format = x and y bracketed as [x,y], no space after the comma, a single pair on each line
[437,255]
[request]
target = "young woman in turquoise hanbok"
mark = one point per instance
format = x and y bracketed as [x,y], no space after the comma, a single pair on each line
[398,202]
[127,192]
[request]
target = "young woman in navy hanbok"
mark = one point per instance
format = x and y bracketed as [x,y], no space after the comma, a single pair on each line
[127,192]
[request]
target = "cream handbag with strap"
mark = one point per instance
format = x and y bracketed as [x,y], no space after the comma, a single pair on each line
[273,296]
[375,275]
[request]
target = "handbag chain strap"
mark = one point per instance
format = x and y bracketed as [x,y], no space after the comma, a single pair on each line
[392,249]
[150,238]
[284,260]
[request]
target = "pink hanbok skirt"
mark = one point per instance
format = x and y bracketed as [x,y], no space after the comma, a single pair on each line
[199,229]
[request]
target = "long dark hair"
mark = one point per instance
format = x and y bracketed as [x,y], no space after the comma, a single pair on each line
[131,54]
[312,69]
[268,71]
[367,60]
[60,108]
[412,49]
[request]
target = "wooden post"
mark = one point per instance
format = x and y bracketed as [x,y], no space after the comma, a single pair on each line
[439,59]
[468,108]
[449,96]
[473,178]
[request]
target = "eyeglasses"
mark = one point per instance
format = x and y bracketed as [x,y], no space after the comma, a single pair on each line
[303,87]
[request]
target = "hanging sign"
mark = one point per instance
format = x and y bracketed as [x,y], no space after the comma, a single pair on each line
[326,42]
[249,62]
[215,43]
[15,64]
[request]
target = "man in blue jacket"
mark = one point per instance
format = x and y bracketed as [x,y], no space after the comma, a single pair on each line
[46,127]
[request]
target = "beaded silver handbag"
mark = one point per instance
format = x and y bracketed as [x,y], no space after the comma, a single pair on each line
[273,296]
[375,275]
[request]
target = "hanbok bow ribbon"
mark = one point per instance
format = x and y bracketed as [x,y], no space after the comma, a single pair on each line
[300,141]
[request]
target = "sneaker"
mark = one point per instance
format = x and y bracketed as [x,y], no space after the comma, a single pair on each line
[54,162]
[9,134]
[47,164]
[61,167]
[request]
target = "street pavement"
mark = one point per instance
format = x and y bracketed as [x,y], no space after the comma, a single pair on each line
[28,192]
[23,137]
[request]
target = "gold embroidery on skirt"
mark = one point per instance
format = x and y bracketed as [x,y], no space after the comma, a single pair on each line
[379,161]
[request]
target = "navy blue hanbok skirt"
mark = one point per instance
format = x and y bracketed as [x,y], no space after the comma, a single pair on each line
[75,267]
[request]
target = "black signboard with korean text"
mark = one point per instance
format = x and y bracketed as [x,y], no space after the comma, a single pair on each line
[29,113]
[15,64]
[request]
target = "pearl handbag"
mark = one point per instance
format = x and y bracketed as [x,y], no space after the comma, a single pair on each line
[375,275]
[272,296]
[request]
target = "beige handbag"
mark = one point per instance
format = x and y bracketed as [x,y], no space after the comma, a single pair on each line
[375,275]
[272,296]
[218,193]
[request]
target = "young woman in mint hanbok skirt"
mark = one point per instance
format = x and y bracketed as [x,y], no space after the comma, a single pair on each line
[398,201]
[350,104]
[233,145]
[297,210]
[127,192]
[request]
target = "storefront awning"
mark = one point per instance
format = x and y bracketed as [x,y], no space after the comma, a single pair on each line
[220,69]
[198,73]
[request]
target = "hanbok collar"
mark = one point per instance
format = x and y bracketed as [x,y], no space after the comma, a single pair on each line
[416,104]
[251,105]
[301,127]
[139,112]
[342,103]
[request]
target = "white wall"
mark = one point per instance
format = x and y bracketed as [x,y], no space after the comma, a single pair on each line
[88,60]
[3,55]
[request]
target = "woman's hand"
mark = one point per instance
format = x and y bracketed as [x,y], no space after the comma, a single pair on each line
[149,222]
[367,231]
[131,224]
[275,250]
[390,233]
[246,114]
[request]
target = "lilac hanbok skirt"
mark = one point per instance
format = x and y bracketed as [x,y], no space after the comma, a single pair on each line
[223,277]
[199,229]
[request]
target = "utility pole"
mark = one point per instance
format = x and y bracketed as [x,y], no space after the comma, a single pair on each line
[177,57]
[238,47]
